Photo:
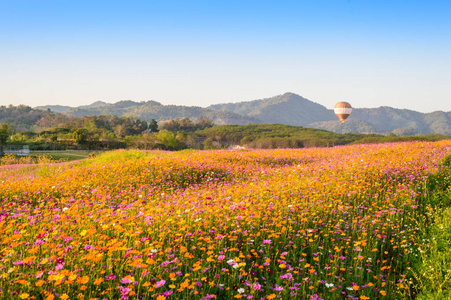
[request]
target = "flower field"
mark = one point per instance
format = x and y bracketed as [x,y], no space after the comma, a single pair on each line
[330,223]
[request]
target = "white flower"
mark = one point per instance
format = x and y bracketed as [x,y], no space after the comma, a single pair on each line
[241,290]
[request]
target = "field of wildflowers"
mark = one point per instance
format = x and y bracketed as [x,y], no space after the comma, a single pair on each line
[330,223]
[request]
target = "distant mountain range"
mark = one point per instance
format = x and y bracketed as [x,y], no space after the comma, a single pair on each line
[289,109]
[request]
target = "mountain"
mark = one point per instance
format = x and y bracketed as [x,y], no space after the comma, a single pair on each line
[21,118]
[399,121]
[154,110]
[54,108]
[288,109]
[63,108]
[350,126]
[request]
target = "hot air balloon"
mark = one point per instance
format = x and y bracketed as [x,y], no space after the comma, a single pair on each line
[342,110]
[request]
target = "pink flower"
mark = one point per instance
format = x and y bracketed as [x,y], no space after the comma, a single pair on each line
[126,280]
[221,257]
[256,286]
[160,283]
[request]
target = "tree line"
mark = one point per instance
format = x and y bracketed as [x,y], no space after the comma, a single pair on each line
[104,132]
[59,132]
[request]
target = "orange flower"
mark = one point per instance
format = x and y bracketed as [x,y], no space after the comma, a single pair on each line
[83,280]
[161,297]
[98,281]
[40,282]
[383,293]
[272,296]
[355,287]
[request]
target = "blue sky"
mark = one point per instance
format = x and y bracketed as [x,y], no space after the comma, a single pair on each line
[369,53]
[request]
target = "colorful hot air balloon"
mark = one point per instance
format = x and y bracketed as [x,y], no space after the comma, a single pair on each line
[342,110]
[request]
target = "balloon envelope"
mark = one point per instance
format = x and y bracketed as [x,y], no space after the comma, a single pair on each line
[342,110]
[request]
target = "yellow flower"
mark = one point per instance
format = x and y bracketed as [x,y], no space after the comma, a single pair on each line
[64,296]
[24,296]
[282,266]
[72,277]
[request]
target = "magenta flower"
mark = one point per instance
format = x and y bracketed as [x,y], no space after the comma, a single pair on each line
[110,277]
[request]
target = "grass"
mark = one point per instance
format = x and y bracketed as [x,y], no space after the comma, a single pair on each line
[432,273]
[62,156]
[43,157]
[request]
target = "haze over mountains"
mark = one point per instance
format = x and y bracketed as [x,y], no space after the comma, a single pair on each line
[289,109]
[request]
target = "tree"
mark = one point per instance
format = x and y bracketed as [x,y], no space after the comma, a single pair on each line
[80,135]
[4,136]
[153,126]
[167,139]
[203,123]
